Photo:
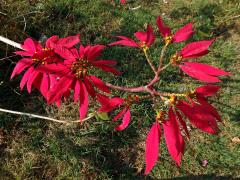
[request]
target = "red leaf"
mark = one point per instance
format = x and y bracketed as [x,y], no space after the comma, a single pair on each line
[99,84]
[107,103]
[119,114]
[89,87]
[69,41]
[29,46]
[125,42]
[105,62]
[76,91]
[209,108]
[141,36]
[152,147]
[83,101]
[207,90]
[31,79]
[174,140]
[184,33]
[125,121]
[163,29]
[55,94]
[21,65]
[150,36]
[196,49]
[26,76]
[197,74]
[199,117]
[50,42]
[108,69]
[64,52]
[207,69]
[183,123]
[45,84]
[94,52]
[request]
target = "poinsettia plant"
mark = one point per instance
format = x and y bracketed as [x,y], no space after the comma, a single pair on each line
[64,68]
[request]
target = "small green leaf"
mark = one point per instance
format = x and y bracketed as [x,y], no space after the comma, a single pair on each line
[103,116]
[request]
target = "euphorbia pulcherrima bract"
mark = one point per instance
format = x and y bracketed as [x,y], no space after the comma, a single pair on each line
[35,57]
[59,69]
[201,114]
[75,74]
[146,39]
[200,71]
[182,34]
[110,104]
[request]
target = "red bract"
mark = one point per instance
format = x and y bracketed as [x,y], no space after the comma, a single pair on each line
[35,57]
[146,39]
[67,42]
[174,140]
[74,75]
[200,71]
[198,116]
[206,91]
[111,104]
[152,146]
[200,113]
[182,34]
[123,1]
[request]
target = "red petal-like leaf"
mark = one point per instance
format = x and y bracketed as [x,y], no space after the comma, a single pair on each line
[31,79]
[45,84]
[56,92]
[183,123]
[21,65]
[199,117]
[76,91]
[125,121]
[174,140]
[26,76]
[207,90]
[141,36]
[50,42]
[125,42]
[99,84]
[163,29]
[120,114]
[24,53]
[152,147]
[108,69]
[29,46]
[83,101]
[64,52]
[123,1]
[194,73]
[105,62]
[94,52]
[209,108]
[107,103]
[69,41]
[207,69]
[150,36]
[89,87]
[196,49]
[184,33]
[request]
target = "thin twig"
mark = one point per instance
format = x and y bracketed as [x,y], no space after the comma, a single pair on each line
[46,118]
[10,42]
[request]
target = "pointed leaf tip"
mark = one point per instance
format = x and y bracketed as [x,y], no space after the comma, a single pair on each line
[152,147]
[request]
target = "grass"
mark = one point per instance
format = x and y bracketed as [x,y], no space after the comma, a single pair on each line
[35,149]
